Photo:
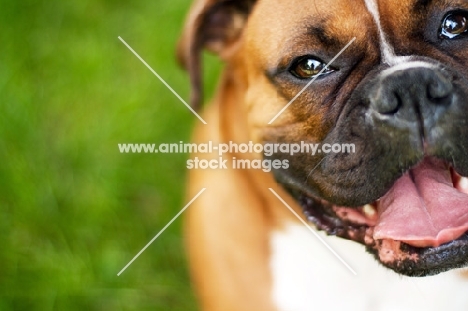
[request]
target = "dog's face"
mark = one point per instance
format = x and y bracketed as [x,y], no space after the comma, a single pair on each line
[399,93]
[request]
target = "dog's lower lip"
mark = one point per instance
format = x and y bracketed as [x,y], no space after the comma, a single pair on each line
[426,261]
[348,223]
[400,257]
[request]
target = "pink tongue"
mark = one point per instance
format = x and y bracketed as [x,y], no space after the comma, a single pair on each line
[423,208]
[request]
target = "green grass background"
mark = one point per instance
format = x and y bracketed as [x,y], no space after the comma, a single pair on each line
[73,210]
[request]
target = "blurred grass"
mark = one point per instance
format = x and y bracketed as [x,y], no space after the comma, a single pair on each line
[73,209]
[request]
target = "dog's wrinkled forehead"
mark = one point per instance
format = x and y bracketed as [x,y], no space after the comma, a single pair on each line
[318,24]
[383,26]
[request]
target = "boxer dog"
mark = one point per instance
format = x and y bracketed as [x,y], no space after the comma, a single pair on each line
[398,93]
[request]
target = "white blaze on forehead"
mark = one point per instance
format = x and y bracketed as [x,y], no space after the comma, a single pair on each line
[407,65]
[387,51]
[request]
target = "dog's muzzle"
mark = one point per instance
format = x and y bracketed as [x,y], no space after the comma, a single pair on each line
[404,193]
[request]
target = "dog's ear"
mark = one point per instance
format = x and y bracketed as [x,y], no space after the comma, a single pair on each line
[215,25]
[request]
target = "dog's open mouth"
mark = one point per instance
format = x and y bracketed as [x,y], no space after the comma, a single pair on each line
[419,227]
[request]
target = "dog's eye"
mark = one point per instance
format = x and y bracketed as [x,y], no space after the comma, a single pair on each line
[308,67]
[453,25]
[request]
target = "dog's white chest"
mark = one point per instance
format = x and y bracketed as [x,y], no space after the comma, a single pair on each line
[306,276]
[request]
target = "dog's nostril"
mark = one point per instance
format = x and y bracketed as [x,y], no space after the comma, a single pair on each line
[390,104]
[439,89]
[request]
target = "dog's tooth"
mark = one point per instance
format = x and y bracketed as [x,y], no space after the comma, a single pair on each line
[369,210]
[463,184]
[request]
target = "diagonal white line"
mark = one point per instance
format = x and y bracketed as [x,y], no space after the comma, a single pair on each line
[162,80]
[315,233]
[160,232]
[315,167]
[311,81]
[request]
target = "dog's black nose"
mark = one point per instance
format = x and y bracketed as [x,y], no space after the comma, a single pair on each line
[411,94]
